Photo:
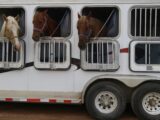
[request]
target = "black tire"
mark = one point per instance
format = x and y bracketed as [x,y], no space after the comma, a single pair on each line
[110,87]
[137,101]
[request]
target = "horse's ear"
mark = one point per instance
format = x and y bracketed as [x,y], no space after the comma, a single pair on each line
[4,17]
[79,16]
[17,18]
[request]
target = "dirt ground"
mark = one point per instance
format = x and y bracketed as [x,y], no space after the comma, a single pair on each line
[25,111]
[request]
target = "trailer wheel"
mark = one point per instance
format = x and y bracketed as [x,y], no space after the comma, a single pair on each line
[105,101]
[146,101]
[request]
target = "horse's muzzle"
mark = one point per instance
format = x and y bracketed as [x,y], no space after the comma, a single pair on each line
[82,45]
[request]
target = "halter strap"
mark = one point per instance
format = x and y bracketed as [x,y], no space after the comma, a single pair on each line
[41,30]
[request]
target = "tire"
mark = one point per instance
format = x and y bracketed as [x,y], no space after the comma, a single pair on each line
[146,101]
[105,101]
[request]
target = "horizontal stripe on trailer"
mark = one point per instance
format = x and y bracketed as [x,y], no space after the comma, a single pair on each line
[38,100]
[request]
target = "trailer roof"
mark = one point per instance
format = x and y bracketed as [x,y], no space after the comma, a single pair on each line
[78,1]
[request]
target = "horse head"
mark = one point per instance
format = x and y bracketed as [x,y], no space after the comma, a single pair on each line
[84,30]
[10,30]
[39,24]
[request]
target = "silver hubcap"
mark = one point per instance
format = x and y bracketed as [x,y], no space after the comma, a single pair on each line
[151,103]
[106,102]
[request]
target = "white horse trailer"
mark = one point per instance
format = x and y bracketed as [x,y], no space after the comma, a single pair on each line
[121,67]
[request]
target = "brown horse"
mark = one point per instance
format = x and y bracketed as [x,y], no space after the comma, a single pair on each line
[44,26]
[88,27]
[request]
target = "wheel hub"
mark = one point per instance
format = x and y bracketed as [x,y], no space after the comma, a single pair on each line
[151,103]
[106,102]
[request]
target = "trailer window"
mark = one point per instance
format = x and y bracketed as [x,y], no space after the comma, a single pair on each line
[14,11]
[9,58]
[100,55]
[109,16]
[52,54]
[62,15]
[145,56]
[145,21]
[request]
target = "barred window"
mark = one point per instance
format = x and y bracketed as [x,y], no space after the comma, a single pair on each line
[52,53]
[145,56]
[100,55]
[145,21]
[9,58]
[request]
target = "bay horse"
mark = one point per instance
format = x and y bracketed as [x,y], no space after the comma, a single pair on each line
[10,29]
[89,27]
[44,25]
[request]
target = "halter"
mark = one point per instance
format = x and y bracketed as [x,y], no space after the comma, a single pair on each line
[41,30]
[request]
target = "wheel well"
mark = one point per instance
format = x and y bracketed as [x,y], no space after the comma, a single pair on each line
[127,89]
[148,81]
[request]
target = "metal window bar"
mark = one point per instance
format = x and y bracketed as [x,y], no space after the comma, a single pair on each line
[145,53]
[102,52]
[12,54]
[49,54]
[155,22]
[113,55]
[107,53]
[149,54]
[56,52]
[17,56]
[3,52]
[150,20]
[63,52]
[135,22]
[7,51]
[59,52]
[140,31]
[44,53]
[87,52]
[145,22]
[92,52]
[53,52]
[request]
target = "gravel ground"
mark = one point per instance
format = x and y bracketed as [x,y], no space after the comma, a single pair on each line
[25,111]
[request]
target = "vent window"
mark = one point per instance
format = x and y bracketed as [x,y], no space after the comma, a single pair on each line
[145,22]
